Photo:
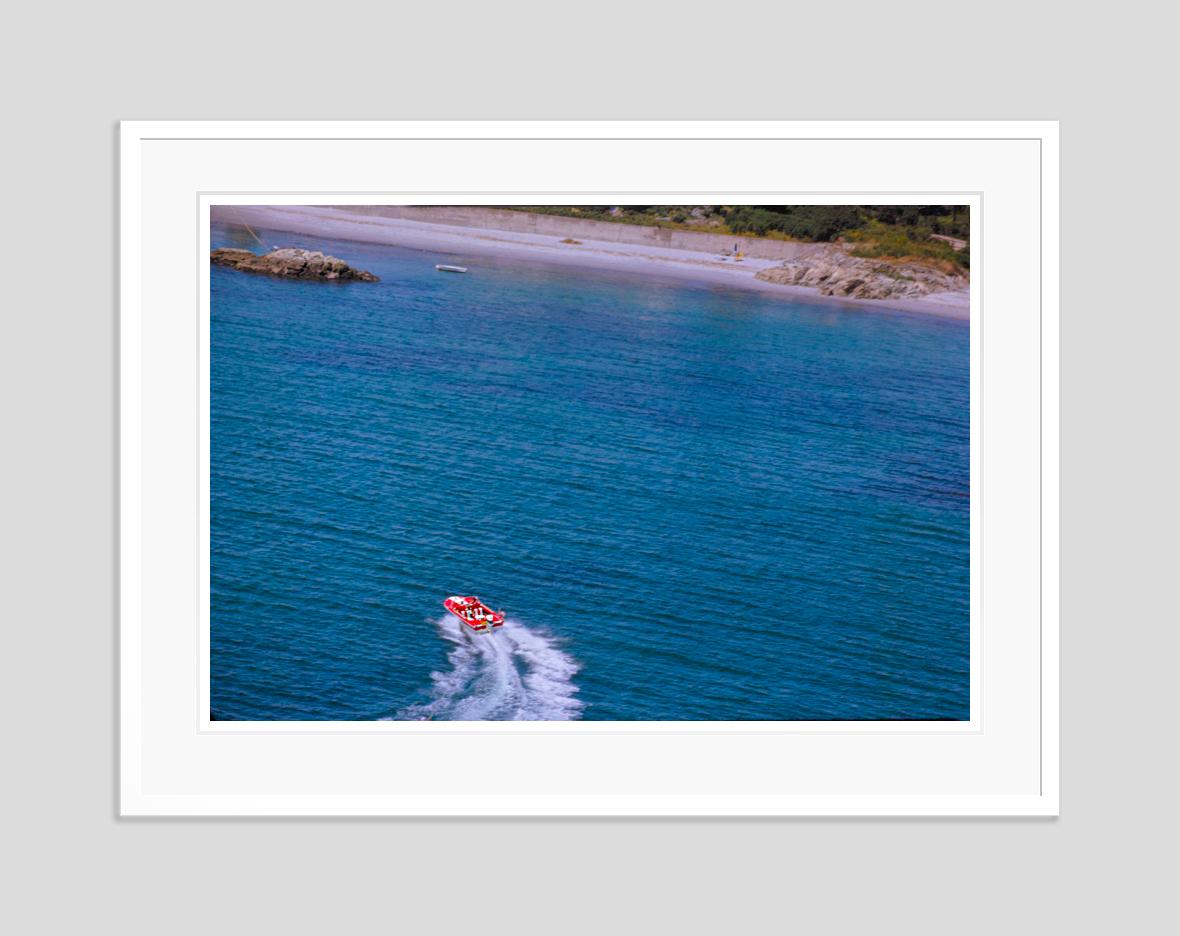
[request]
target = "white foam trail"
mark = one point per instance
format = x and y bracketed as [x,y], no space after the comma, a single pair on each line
[513,674]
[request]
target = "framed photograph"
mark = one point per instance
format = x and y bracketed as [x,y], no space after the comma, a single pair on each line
[580,468]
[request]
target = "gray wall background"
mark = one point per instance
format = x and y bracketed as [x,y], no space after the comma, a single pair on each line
[70,74]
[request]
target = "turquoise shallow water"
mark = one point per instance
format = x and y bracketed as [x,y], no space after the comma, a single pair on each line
[692,503]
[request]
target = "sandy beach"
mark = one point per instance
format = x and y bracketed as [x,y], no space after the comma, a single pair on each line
[704,267]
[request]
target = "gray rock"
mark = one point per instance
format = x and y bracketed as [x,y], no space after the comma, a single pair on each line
[291,262]
[835,272]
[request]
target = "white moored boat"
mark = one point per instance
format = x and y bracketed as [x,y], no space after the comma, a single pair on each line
[447,268]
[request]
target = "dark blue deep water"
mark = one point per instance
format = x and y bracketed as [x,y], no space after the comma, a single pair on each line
[692,503]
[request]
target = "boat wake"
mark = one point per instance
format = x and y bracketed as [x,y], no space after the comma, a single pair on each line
[514,674]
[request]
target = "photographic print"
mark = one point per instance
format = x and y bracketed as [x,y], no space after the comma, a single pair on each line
[629,463]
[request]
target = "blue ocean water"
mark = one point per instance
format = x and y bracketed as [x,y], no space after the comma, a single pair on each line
[692,503]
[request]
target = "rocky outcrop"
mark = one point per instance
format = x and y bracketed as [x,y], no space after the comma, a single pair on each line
[835,272]
[290,261]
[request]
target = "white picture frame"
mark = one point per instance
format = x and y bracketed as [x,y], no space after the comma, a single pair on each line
[173,761]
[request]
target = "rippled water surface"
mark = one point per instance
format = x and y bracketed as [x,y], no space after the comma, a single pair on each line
[691,503]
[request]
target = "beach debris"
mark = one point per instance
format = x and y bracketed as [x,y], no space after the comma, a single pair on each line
[570,240]
[293,262]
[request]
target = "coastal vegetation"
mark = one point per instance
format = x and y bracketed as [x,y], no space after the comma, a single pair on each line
[937,235]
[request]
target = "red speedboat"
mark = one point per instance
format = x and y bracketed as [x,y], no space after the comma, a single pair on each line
[474,613]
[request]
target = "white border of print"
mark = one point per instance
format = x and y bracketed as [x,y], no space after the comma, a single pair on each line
[1005,761]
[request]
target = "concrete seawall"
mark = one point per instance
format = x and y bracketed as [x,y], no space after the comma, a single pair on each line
[524,222]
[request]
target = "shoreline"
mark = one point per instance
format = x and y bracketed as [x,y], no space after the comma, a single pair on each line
[701,267]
